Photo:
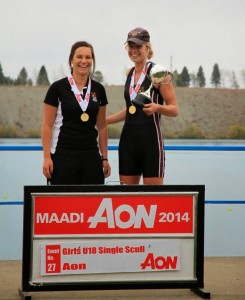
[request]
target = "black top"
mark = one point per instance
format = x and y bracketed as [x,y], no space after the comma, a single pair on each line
[70,133]
[140,117]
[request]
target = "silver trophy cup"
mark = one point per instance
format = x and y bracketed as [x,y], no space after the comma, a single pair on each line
[157,75]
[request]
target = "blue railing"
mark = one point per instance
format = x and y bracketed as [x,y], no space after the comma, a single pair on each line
[115,147]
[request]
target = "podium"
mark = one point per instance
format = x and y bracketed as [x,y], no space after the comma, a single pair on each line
[98,237]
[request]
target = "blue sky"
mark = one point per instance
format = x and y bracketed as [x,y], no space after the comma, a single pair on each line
[183,33]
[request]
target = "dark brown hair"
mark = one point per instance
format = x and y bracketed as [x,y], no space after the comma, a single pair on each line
[78,45]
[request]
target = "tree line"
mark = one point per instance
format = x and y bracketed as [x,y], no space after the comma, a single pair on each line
[22,79]
[218,78]
[182,79]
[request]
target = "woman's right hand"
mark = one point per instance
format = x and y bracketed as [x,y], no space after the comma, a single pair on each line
[48,167]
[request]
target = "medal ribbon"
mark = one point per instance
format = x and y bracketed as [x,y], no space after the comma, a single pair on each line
[82,102]
[133,91]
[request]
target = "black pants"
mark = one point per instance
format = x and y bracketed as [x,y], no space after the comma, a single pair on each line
[77,168]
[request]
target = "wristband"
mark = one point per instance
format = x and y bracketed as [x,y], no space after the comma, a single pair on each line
[104,159]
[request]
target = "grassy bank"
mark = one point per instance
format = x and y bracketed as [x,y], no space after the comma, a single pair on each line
[204,113]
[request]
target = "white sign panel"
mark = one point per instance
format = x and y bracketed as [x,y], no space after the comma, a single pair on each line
[110,256]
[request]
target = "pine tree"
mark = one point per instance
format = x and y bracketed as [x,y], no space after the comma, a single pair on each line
[243,76]
[193,79]
[185,77]
[200,77]
[42,78]
[2,77]
[22,78]
[234,83]
[177,79]
[215,79]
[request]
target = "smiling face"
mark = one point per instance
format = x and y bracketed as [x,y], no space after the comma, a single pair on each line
[137,53]
[82,61]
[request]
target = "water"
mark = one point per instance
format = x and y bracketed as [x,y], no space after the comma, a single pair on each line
[222,173]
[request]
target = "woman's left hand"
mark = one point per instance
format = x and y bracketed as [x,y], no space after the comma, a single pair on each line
[107,168]
[150,108]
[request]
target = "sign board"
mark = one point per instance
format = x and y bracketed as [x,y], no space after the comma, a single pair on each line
[112,237]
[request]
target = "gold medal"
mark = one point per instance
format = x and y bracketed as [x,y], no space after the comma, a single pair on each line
[132,109]
[84,117]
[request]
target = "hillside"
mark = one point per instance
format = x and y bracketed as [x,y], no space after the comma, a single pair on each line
[213,111]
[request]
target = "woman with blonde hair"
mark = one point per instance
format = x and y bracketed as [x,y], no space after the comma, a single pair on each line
[141,147]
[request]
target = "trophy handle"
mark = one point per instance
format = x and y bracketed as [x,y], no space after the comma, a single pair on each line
[159,73]
[147,93]
[171,78]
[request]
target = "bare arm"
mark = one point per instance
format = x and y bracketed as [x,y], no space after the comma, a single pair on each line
[103,139]
[117,117]
[49,114]
[171,109]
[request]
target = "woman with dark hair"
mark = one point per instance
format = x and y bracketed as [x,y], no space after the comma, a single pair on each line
[74,130]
